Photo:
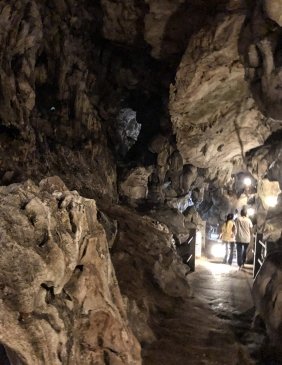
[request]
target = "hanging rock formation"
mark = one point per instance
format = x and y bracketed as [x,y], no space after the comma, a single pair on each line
[213,113]
[260,45]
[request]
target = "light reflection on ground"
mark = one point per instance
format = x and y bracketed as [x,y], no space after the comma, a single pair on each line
[222,285]
[218,269]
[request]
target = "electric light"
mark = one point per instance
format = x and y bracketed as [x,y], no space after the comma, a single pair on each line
[218,250]
[247,181]
[271,201]
[250,212]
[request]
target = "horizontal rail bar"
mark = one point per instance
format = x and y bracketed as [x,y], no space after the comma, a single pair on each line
[189,258]
[262,244]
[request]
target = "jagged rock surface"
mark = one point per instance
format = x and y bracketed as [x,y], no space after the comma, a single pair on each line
[149,272]
[60,300]
[47,103]
[260,45]
[266,166]
[267,296]
[213,114]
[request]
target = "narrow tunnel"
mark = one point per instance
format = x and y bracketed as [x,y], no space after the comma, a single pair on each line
[132,136]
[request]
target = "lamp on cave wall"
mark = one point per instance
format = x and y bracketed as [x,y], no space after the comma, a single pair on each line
[251,212]
[247,181]
[269,192]
[271,201]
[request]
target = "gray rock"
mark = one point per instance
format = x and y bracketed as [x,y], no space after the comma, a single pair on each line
[127,130]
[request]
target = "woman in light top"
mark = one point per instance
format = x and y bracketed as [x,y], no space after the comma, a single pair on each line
[227,235]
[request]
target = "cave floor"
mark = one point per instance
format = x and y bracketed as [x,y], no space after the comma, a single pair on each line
[214,326]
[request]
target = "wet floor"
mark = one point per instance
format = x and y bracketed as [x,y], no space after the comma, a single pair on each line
[227,290]
[224,287]
[215,326]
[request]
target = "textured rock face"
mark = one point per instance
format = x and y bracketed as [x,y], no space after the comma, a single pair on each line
[135,185]
[268,297]
[273,9]
[213,114]
[127,130]
[122,20]
[149,272]
[47,104]
[265,165]
[260,44]
[60,301]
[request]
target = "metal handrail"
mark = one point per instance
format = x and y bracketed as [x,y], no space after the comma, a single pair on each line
[260,253]
[263,244]
[187,250]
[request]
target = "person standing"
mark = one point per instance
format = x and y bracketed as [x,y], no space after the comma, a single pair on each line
[243,236]
[228,237]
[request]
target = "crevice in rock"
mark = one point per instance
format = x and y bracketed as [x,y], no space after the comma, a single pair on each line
[79,268]
[44,239]
[50,292]
[4,360]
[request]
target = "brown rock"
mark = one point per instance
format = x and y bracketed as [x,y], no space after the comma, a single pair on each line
[58,281]
[135,185]
[213,114]
[268,297]
[273,9]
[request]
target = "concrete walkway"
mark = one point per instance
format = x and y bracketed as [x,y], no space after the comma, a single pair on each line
[224,287]
[211,328]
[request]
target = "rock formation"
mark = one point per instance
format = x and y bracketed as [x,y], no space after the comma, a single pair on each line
[260,44]
[213,113]
[60,300]
[46,106]
[267,296]
[149,271]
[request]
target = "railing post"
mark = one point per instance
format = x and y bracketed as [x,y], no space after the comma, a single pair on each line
[257,254]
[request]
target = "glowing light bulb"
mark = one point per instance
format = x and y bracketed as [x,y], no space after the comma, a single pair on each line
[250,212]
[218,250]
[247,181]
[271,201]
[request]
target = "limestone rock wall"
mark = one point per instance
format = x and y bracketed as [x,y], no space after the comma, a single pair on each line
[213,113]
[265,165]
[60,300]
[260,45]
[267,296]
[149,272]
[47,103]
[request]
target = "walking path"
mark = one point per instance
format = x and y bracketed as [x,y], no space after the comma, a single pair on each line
[214,326]
[224,287]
